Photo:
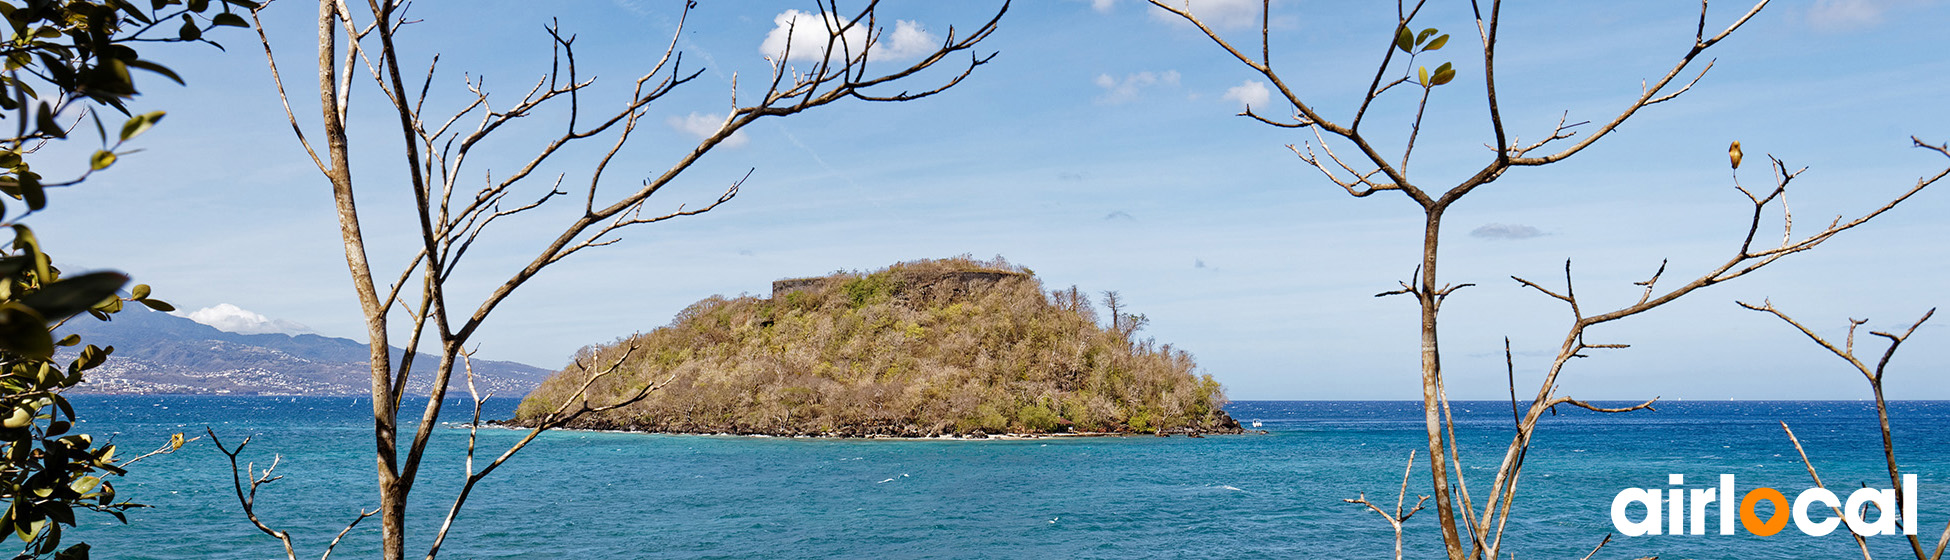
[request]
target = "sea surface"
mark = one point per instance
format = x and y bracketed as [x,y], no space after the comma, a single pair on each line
[615,495]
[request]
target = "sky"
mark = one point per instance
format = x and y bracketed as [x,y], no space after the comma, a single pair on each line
[1100,148]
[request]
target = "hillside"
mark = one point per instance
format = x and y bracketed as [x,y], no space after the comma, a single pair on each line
[159,353]
[922,348]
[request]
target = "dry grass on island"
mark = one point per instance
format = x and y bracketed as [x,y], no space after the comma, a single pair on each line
[919,349]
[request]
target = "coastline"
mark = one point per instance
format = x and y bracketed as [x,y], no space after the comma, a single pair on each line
[1226,426]
[508,425]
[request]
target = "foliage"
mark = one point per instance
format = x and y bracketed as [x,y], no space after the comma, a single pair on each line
[922,348]
[64,58]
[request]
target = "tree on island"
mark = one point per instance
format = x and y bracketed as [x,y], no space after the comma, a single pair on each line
[1124,324]
[450,215]
[65,62]
[1364,163]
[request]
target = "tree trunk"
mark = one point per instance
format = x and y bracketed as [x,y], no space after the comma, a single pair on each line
[1431,385]
[385,430]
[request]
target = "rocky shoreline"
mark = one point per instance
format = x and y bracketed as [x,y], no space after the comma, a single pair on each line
[1225,425]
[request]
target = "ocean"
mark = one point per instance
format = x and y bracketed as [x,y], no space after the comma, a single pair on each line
[614,495]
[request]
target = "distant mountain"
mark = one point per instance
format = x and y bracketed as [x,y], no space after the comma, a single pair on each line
[159,353]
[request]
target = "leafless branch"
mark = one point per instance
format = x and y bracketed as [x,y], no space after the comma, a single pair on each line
[176,442]
[1875,378]
[363,514]
[248,498]
[560,416]
[1859,541]
[1396,519]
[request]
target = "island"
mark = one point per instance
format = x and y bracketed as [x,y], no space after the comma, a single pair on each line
[953,347]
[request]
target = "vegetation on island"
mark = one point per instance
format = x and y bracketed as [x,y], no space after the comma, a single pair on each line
[921,348]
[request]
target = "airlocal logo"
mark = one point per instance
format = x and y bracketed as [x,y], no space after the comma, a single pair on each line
[1681,501]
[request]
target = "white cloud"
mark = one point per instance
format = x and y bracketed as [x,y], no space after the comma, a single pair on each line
[1127,89]
[908,40]
[230,318]
[1102,6]
[807,34]
[703,126]
[1505,231]
[1216,13]
[1844,15]
[1252,93]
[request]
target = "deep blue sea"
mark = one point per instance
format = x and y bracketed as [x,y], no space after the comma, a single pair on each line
[612,495]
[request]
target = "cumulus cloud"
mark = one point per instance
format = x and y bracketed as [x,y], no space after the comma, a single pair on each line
[1102,6]
[1127,89]
[1845,15]
[1505,231]
[908,40]
[1215,13]
[1252,93]
[806,33]
[703,125]
[230,318]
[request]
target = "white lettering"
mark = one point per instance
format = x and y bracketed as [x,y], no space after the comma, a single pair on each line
[1812,528]
[1627,497]
[1885,503]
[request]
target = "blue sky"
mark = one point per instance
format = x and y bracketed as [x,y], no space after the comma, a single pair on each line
[1099,149]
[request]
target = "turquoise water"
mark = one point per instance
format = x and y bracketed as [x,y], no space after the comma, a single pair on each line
[609,495]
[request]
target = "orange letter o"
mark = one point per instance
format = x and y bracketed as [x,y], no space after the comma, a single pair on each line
[1774,523]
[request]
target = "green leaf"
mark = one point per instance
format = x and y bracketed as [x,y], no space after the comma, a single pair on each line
[69,296]
[17,418]
[140,291]
[1437,43]
[10,266]
[189,31]
[1405,40]
[69,340]
[101,160]
[157,68]
[139,124]
[44,119]
[24,240]
[31,191]
[158,305]
[1424,76]
[85,484]
[199,6]
[27,529]
[130,10]
[108,80]
[230,19]
[1443,74]
[1424,35]
[243,3]
[93,356]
